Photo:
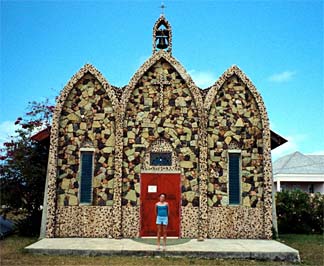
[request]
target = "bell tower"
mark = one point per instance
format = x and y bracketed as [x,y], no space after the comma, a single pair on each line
[162,35]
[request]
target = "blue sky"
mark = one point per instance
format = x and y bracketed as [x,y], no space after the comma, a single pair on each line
[278,44]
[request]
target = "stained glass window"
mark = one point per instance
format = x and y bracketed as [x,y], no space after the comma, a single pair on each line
[161,158]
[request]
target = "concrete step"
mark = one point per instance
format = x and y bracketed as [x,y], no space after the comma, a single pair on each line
[209,248]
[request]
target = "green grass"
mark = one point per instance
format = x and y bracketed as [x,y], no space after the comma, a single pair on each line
[12,253]
[311,247]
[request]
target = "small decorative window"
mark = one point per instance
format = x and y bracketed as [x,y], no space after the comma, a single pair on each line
[161,158]
[86,177]
[234,178]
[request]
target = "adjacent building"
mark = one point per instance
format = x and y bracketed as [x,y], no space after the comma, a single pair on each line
[299,171]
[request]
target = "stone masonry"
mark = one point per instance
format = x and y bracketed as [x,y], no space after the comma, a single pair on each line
[234,123]
[161,109]
[145,121]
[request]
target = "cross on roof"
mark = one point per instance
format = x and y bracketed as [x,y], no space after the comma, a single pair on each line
[161,81]
[163,6]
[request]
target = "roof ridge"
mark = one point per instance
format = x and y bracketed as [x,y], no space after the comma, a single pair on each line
[290,156]
[313,156]
[300,166]
[299,163]
[312,159]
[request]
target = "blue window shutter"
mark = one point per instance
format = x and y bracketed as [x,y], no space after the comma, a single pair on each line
[234,178]
[86,177]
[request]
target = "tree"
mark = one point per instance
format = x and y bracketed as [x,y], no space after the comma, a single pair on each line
[23,165]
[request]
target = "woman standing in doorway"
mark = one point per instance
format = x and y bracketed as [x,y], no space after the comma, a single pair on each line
[162,213]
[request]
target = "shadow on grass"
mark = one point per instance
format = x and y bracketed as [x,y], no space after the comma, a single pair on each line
[170,242]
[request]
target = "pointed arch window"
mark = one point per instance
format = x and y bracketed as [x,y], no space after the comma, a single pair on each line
[234,177]
[86,175]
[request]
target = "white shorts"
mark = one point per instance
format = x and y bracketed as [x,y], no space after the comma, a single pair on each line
[163,220]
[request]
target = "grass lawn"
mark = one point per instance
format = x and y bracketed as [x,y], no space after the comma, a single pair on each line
[12,253]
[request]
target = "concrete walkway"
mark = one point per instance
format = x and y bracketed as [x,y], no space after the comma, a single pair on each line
[209,248]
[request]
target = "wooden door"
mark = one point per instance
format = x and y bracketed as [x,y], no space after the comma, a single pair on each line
[152,185]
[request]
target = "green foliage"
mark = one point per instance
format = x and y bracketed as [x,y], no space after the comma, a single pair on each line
[23,164]
[23,175]
[30,225]
[300,212]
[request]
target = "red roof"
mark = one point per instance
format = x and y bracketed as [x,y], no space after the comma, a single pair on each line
[42,135]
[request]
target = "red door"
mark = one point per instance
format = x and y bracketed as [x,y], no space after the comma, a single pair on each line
[152,185]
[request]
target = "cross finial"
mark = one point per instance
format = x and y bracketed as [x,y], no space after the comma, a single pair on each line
[161,81]
[162,8]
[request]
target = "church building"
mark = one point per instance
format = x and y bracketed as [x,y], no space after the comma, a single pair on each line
[114,150]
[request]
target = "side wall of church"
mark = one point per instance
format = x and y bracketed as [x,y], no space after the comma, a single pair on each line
[234,123]
[87,120]
[237,121]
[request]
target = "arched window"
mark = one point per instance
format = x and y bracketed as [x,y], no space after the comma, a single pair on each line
[86,175]
[234,177]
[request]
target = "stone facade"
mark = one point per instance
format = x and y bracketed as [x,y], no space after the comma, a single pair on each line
[87,120]
[234,123]
[161,109]
[152,114]
[84,221]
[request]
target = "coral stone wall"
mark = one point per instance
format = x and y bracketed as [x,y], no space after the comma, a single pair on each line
[189,222]
[158,112]
[150,116]
[84,221]
[87,120]
[234,122]
[236,222]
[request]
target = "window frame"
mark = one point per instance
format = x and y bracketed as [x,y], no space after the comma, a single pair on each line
[239,152]
[82,150]
[162,152]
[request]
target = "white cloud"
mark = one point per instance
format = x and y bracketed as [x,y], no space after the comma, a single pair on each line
[7,129]
[292,145]
[203,79]
[282,77]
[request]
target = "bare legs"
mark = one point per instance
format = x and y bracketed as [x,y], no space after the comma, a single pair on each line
[164,231]
[161,229]
[158,235]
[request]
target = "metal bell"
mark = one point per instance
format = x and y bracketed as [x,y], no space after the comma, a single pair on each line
[162,42]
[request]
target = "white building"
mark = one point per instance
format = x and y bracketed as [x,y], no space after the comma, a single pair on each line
[299,171]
